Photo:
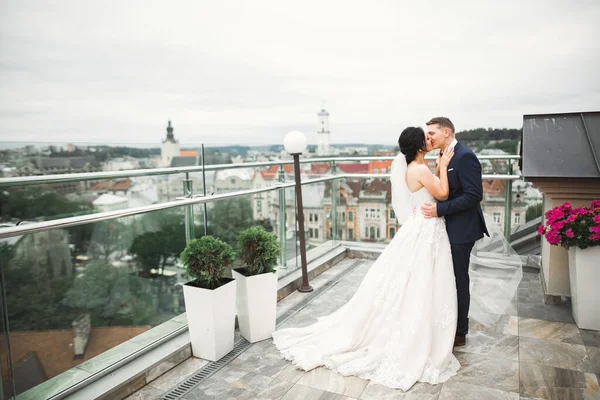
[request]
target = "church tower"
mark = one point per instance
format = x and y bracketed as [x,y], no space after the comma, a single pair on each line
[323,134]
[170,148]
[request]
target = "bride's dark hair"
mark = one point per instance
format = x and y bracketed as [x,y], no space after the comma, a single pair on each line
[412,139]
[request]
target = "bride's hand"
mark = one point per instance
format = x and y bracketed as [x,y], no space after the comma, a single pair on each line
[446,157]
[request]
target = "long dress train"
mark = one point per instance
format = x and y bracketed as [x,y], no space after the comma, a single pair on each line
[399,326]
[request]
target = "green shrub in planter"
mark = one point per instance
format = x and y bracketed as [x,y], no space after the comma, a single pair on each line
[205,260]
[259,250]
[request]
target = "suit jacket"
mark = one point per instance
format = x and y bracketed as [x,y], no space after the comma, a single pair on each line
[464,218]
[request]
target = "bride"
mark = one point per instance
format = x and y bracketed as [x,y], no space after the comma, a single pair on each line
[399,326]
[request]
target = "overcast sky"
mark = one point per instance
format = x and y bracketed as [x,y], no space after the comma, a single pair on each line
[250,71]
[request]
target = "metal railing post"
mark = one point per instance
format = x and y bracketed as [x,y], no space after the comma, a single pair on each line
[188,191]
[334,195]
[204,193]
[508,204]
[282,220]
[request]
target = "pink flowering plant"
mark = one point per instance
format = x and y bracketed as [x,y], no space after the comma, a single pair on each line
[567,226]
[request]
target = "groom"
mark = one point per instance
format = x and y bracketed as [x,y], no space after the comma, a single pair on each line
[464,219]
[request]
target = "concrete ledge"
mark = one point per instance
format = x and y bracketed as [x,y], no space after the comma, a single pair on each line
[554,299]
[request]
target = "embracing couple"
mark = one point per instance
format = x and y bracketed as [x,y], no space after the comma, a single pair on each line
[412,307]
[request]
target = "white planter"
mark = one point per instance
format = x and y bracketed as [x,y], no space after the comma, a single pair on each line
[584,276]
[256,305]
[211,319]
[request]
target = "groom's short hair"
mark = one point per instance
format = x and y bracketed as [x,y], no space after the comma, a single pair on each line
[443,122]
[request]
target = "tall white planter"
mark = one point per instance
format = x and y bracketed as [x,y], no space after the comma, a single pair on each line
[211,319]
[584,276]
[256,305]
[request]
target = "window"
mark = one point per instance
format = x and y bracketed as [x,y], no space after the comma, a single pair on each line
[366,232]
[258,205]
[378,233]
[350,234]
[392,215]
[311,233]
[350,216]
[375,171]
[497,217]
[330,232]
[517,218]
[316,233]
[310,218]
[343,216]
[372,232]
[316,217]
[233,181]
[392,232]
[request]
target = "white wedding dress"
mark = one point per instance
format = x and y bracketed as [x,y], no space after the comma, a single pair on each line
[399,327]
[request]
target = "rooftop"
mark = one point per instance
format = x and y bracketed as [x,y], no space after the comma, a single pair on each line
[534,351]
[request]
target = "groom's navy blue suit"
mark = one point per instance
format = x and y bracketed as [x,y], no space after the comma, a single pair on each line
[464,222]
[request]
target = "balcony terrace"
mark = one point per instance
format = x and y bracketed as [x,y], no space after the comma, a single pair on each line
[135,343]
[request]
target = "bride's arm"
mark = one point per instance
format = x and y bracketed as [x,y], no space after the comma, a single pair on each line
[438,188]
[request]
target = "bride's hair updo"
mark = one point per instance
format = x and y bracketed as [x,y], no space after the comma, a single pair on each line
[412,139]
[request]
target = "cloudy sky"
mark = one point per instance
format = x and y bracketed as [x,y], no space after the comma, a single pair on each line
[250,71]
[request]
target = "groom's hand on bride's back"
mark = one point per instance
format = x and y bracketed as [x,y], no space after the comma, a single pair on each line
[429,210]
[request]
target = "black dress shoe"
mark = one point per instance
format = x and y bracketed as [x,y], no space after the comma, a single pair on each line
[459,341]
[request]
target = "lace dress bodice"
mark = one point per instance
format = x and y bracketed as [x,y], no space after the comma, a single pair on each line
[420,197]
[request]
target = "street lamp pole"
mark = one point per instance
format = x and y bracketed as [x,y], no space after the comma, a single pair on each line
[295,144]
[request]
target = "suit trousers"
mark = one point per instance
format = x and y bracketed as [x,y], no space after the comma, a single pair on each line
[461,254]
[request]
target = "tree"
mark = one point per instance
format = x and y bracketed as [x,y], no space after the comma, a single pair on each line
[110,236]
[33,294]
[112,296]
[229,217]
[33,203]
[534,211]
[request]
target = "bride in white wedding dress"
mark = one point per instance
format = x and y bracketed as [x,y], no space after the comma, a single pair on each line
[399,326]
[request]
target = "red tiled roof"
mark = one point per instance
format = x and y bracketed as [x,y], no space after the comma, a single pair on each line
[355,168]
[188,153]
[319,169]
[495,186]
[54,348]
[123,184]
[379,186]
[272,172]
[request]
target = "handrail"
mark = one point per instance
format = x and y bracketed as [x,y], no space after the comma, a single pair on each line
[107,215]
[91,176]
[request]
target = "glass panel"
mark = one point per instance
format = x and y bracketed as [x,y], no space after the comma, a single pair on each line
[75,294]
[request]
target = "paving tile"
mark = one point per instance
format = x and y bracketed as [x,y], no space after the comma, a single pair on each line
[454,390]
[420,391]
[492,372]
[300,392]
[331,381]
[546,312]
[491,344]
[594,355]
[549,330]
[505,324]
[590,338]
[146,393]
[554,354]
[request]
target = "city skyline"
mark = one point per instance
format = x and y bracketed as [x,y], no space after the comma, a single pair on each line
[250,73]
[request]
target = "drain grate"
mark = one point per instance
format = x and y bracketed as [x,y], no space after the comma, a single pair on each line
[242,345]
[210,369]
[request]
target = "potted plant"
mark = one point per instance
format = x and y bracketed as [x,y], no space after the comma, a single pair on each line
[209,297]
[257,283]
[578,230]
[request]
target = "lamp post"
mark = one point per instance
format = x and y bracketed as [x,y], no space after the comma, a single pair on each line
[295,144]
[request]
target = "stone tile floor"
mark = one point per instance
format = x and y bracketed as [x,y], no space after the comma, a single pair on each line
[535,351]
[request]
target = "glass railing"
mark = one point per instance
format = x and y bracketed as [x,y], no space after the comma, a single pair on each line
[83,292]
